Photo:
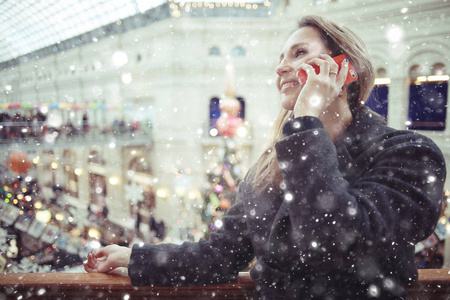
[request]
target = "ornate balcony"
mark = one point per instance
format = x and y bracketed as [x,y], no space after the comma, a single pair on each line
[27,136]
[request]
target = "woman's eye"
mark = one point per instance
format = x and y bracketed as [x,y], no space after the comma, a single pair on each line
[299,53]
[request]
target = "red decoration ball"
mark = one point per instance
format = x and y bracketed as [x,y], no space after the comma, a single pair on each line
[18,163]
[225,203]
[227,125]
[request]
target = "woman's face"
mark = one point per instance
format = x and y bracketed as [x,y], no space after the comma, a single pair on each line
[304,44]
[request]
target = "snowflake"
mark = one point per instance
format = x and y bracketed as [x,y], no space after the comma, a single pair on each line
[80,216]
[133,193]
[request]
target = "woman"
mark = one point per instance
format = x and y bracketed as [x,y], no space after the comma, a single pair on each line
[334,206]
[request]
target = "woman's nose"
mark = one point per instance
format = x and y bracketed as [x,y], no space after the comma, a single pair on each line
[283,68]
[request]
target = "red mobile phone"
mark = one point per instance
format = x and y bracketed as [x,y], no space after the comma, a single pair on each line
[351,76]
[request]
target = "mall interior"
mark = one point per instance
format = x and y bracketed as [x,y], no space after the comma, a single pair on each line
[127,121]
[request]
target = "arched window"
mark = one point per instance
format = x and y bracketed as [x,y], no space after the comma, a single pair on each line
[438,69]
[96,158]
[97,189]
[381,73]
[414,72]
[141,193]
[427,99]
[238,51]
[214,114]
[378,99]
[214,51]
[241,113]
[71,179]
[140,164]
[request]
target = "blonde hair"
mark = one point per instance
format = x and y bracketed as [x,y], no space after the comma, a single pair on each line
[340,40]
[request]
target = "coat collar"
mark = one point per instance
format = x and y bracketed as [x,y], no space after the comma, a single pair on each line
[365,126]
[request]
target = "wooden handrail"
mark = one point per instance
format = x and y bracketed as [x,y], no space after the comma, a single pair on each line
[432,284]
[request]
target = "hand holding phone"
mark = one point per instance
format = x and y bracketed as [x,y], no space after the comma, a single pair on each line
[351,76]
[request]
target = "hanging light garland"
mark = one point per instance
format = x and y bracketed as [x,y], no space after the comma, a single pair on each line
[66,106]
[177,5]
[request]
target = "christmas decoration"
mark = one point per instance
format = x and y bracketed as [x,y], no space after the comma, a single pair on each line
[229,122]
[13,251]
[225,170]
[40,235]
[227,125]
[66,106]
[18,163]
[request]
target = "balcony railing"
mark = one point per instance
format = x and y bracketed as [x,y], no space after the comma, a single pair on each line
[432,284]
[26,135]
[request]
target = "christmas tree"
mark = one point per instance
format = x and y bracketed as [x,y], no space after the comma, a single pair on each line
[226,169]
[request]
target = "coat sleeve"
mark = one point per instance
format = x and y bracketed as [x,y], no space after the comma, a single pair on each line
[392,203]
[218,260]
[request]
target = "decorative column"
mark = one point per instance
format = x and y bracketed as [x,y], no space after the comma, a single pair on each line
[398,102]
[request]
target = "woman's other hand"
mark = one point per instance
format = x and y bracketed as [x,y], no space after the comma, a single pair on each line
[107,259]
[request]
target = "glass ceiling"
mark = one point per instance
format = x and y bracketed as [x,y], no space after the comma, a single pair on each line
[29,25]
